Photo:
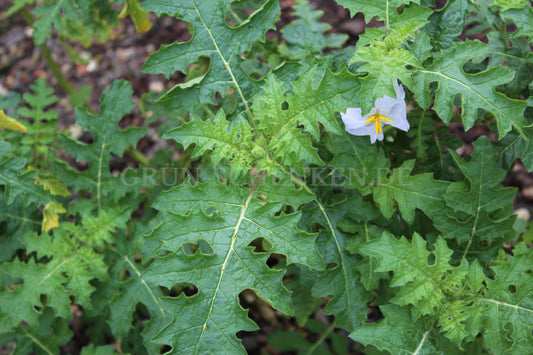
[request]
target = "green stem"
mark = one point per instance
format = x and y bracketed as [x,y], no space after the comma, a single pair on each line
[300,183]
[137,155]
[67,86]
[498,28]
[419,151]
[54,67]
[61,80]
[26,15]
[387,24]
[322,339]
[440,153]
[501,29]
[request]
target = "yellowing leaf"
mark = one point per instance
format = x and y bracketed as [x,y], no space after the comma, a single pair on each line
[11,123]
[51,215]
[55,186]
[138,15]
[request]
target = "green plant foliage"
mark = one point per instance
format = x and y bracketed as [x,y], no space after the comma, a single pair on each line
[156,111]
[212,251]
[385,58]
[507,301]
[380,8]
[514,146]
[108,138]
[294,341]
[403,191]
[505,5]
[18,179]
[17,220]
[280,112]
[42,132]
[361,163]
[469,211]
[522,19]
[226,142]
[518,57]
[79,20]
[67,274]
[429,140]
[456,301]
[477,91]
[299,282]
[306,36]
[257,211]
[489,216]
[51,334]
[417,337]
[402,26]
[213,38]
[421,284]
[383,66]
[262,59]
[446,24]
[483,185]
[340,281]
[126,289]
[274,124]
[17,5]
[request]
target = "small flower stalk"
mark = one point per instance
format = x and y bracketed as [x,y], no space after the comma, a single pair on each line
[386,111]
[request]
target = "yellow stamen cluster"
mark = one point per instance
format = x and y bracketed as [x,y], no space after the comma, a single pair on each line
[376,119]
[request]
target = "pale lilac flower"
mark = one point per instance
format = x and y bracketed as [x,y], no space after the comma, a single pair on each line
[385,111]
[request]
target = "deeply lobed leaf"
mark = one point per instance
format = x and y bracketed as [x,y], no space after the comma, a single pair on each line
[306,36]
[108,138]
[67,274]
[204,240]
[19,180]
[477,91]
[212,38]
[341,280]
[280,112]
[226,141]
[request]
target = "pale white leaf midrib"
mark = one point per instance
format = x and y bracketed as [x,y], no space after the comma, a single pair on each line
[226,64]
[505,304]
[28,294]
[469,88]
[417,351]
[11,181]
[223,268]
[145,285]
[36,341]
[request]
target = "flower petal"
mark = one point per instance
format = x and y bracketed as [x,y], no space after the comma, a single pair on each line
[374,136]
[367,130]
[385,105]
[398,116]
[353,119]
[400,93]
[394,109]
